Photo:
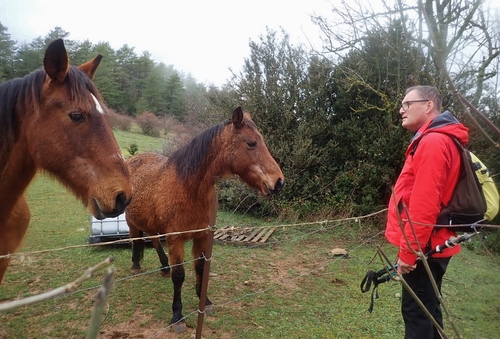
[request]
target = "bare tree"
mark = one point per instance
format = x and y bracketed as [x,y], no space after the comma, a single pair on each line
[466,34]
[459,41]
[464,40]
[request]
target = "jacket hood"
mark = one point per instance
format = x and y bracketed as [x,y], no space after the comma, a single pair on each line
[446,123]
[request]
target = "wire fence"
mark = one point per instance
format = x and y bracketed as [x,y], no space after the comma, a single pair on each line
[325,225]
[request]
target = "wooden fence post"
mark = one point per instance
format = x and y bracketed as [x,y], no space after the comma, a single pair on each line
[101,299]
[208,258]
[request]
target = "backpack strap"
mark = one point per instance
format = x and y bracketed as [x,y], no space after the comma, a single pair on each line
[467,198]
[443,217]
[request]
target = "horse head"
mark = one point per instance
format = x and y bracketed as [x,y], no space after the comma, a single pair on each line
[250,158]
[69,135]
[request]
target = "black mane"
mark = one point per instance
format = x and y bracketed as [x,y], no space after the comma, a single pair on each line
[19,91]
[192,157]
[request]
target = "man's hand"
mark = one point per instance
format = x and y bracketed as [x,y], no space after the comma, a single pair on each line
[404,268]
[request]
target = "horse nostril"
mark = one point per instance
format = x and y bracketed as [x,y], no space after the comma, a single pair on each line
[121,202]
[278,186]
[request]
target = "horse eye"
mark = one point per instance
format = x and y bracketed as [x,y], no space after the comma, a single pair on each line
[76,117]
[252,144]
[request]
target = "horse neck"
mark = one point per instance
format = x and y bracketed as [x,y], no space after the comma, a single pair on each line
[214,168]
[15,175]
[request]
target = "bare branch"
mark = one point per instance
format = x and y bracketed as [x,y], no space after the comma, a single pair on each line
[58,291]
[101,300]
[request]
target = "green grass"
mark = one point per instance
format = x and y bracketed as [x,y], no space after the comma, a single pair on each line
[145,143]
[291,288]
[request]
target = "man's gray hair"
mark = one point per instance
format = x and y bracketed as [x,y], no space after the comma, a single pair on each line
[429,93]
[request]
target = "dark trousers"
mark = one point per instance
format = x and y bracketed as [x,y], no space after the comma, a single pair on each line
[417,324]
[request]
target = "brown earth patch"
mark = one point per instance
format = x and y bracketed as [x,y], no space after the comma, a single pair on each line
[142,326]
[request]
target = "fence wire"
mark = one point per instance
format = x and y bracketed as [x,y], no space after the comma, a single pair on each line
[326,225]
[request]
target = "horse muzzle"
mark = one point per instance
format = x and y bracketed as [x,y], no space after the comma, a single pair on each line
[278,186]
[121,202]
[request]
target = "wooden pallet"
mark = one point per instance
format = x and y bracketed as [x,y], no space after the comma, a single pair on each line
[247,236]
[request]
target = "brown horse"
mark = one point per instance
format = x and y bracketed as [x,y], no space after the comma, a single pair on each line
[175,194]
[53,120]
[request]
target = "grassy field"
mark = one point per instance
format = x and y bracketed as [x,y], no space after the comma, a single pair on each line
[291,288]
[143,142]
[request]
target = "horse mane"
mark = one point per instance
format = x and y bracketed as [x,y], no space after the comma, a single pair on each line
[193,156]
[25,94]
[78,83]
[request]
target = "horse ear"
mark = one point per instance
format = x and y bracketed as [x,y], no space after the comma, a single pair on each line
[56,61]
[237,119]
[90,66]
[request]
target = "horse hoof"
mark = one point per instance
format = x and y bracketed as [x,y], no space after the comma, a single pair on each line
[179,327]
[136,271]
[209,310]
[165,273]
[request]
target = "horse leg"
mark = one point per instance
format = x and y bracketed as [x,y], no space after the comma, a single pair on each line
[137,249]
[199,250]
[13,231]
[176,254]
[165,268]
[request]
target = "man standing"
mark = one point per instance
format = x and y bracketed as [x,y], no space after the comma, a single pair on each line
[424,185]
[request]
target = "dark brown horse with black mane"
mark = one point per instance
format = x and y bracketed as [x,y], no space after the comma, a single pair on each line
[53,119]
[175,194]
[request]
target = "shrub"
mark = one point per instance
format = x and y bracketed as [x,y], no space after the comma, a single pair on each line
[120,121]
[177,135]
[237,197]
[133,149]
[149,124]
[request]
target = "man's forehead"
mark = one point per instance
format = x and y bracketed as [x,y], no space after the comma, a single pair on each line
[411,94]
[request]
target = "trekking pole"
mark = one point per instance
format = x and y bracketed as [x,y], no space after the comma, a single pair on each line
[376,278]
[450,243]
[389,272]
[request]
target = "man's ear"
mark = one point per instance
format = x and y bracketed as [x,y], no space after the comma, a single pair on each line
[430,106]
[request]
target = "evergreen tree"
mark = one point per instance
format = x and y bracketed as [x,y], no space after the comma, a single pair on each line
[29,57]
[275,89]
[80,52]
[105,78]
[151,99]
[174,97]
[370,143]
[126,60]
[142,68]
[7,52]
[58,33]
[333,127]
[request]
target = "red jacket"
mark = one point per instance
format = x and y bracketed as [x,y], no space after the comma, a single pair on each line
[426,184]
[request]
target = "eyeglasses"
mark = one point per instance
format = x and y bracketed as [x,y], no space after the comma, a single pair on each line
[406,105]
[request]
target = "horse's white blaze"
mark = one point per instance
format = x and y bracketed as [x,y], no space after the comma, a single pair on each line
[97,104]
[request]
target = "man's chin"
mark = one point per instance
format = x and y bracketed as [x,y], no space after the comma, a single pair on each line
[405,124]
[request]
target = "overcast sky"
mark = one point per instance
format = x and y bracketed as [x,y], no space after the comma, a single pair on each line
[201,37]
